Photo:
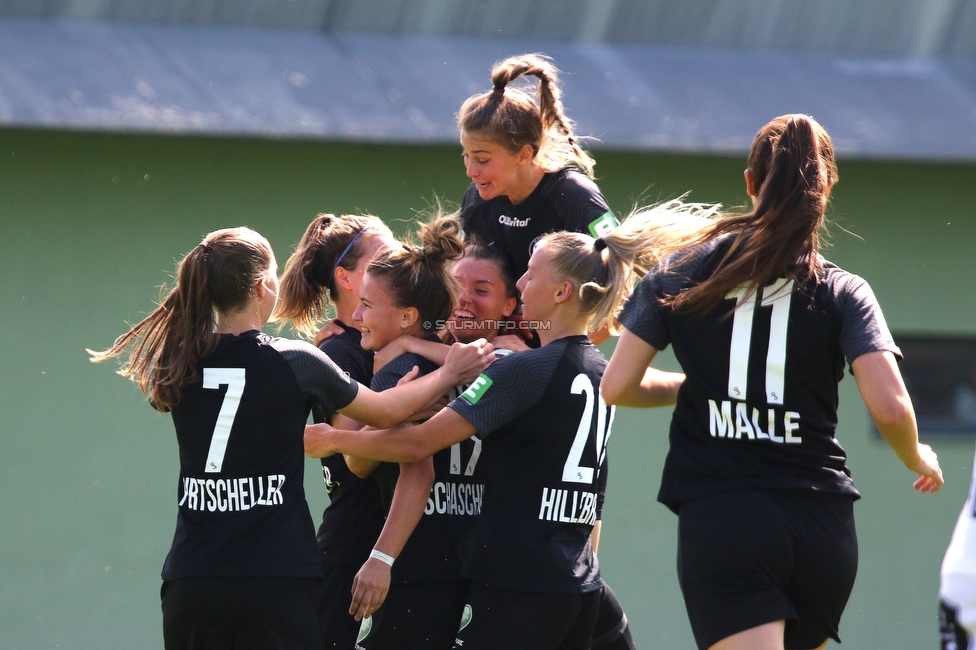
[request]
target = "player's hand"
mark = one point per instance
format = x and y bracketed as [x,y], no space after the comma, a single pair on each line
[318,440]
[467,360]
[928,470]
[369,588]
[329,330]
[410,376]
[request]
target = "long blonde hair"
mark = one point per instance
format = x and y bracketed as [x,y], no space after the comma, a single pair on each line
[604,269]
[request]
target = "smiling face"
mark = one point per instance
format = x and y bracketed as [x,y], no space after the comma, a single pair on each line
[494,169]
[482,302]
[378,317]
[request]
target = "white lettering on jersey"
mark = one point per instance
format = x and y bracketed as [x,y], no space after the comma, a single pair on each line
[568,506]
[722,425]
[456,499]
[505,220]
[232,494]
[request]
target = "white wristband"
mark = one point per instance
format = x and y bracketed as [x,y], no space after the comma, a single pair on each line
[382,557]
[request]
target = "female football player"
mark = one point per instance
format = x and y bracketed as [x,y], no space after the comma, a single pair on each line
[243,567]
[544,429]
[761,325]
[529,175]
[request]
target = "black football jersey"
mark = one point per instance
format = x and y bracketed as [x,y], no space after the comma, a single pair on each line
[357,506]
[563,200]
[545,430]
[240,428]
[433,552]
[759,406]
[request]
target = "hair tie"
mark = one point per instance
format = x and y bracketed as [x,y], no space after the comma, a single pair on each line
[346,250]
[599,244]
[498,90]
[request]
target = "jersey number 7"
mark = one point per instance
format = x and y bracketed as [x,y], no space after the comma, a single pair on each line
[214,378]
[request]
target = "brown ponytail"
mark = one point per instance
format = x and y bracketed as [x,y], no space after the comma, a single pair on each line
[219,274]
[793,167]
[510,117]
[417,275]
[308,281]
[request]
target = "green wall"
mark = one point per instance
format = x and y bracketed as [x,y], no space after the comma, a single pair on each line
[92,224]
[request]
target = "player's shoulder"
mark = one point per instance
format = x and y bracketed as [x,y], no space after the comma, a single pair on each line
[288,346]
[534,364]
[569,183]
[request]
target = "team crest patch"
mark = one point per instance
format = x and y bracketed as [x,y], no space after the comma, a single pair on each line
[365,628]
[603,225]
[466,617]
[477,388]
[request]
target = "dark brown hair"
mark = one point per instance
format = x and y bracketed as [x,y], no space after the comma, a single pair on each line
[219,274]
[308,281]
[477,251]
[793,168]
[417,275]
[513,119]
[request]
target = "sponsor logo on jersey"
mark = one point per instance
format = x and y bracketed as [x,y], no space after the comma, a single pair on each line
[568,506]
[506,220]
[232,494]
[477,388]
[448,498]
[603,225]
[780,427]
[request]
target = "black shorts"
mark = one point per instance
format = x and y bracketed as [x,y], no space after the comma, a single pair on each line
[751,557]
[612,630]
[340,628]
[255,613]
[500,618]
[422,616]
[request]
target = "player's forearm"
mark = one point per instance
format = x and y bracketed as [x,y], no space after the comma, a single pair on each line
[400,403]
[899,429]
[396,445]
[407,507]
[656,388]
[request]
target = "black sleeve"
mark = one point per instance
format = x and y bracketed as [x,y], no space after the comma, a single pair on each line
[642,314]
[321,380]
[508,388]
[863,326]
